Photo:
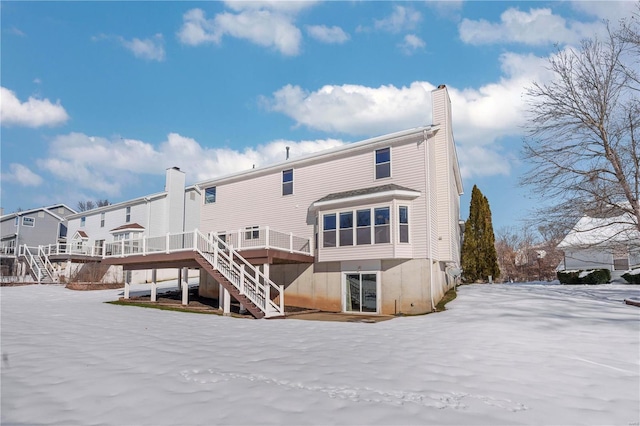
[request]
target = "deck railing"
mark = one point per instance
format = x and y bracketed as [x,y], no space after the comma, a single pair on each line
[266,238]
[239,240]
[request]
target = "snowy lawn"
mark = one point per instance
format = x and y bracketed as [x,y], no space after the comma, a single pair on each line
[500,354]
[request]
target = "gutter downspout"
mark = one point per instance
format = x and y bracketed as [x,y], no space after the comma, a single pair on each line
[428,178]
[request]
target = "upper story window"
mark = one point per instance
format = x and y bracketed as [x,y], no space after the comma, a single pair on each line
[382,227]
[329,230]
[210,195]
[346,229]
[403,224]
[287,182]
[83,221]
[128,215]
[383,163]
[101,220]
[28,221]
[16,222]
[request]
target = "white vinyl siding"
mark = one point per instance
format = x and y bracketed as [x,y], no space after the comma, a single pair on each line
[319,178]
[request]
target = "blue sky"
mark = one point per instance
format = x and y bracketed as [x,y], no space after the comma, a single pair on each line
[99,98]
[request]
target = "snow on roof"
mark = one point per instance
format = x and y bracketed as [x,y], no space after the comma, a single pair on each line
[591,231]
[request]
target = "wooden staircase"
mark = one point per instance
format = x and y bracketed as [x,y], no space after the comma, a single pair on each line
[228,285]
[240,278]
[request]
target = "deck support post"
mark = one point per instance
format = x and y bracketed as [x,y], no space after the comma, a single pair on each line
[154,285]
[127,286]
[185,286]
[179,279]
[226,300]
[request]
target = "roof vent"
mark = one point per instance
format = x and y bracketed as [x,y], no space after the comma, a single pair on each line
[287,153]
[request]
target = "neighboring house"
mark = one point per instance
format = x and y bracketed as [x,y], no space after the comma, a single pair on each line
[174,210]
[381,217]
[42,226]
[602,243]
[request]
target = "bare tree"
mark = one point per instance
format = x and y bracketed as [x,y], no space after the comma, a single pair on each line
[86,205]
[102,203]
[583,131]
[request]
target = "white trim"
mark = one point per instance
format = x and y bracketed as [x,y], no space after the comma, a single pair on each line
[368,198]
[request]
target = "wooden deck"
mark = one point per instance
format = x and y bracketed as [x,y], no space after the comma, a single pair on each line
[187,259]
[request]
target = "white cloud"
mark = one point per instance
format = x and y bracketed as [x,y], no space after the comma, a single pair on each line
[259,25]
[610,10]
[149,48]
[481,117]
[22,175]
[37,81]
[482,161]
[536,27]
[290,7]
[105,166]
[327,34]
[448,8]
[16,31]
[411,43]
[32,113]
[402,19]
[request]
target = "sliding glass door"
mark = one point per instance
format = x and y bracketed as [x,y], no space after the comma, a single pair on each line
[361,292]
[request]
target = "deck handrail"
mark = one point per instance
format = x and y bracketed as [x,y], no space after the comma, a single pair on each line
[243,275]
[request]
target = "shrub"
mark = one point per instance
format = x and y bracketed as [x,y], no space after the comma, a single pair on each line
[632,279]
[596,276]
[569,277]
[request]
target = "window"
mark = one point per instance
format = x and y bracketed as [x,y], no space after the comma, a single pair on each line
[381,230]
[346,229]
[363,230]
[128,215]
[28,221]
[403,223]
[383,163]
[210,195]
[329,230]
[101,220]
[99,246]
[83,221]
[17,221]
[287,182]
[252,232]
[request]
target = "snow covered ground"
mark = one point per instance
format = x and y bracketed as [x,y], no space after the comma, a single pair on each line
[501,354]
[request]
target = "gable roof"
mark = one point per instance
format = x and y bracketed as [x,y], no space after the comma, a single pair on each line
[46,209]
[367,194]
[591,231]
[128,226]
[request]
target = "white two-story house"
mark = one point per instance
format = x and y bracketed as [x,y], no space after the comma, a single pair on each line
[381,218]
[174,210]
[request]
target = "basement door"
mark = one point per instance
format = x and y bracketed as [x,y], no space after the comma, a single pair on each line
[361,292]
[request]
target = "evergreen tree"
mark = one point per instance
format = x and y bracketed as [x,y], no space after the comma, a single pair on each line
[479,257]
